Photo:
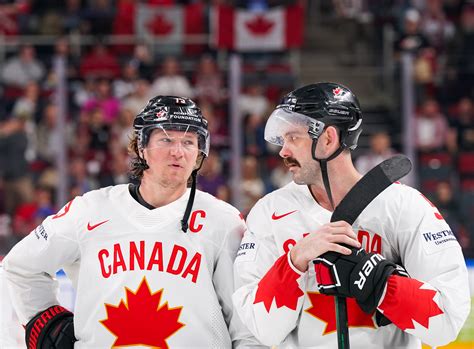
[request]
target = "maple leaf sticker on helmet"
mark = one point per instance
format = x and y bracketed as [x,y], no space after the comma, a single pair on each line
[141,320]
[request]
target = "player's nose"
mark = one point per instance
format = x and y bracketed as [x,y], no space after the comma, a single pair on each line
[177,149]
[285,151]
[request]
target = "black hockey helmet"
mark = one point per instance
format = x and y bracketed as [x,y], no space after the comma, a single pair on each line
[171,113]
[314,107]
[317,106]
[177,114]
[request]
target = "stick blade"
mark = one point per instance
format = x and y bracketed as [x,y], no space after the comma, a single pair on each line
[396,167]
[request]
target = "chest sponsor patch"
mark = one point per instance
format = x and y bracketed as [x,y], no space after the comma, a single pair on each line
[247,251]
[437,241]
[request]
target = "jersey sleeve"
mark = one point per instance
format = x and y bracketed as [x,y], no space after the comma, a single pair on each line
[434,302]
[224,282]
[31,265]
[269,289]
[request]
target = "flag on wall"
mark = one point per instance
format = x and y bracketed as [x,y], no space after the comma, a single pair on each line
[276,29]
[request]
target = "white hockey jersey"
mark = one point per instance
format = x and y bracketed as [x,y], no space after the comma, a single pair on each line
[281,306]
[140,280]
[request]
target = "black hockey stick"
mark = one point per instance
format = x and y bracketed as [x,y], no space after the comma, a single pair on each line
[352,205]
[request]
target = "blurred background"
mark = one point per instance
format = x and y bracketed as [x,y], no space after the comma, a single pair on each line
[73,75]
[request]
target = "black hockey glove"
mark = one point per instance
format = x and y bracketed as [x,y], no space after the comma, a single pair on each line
[360,275]
[52,328]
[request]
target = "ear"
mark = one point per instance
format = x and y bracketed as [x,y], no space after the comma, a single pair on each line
[331,139]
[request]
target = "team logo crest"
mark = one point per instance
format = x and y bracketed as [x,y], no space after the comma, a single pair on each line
[161,114]
[337,92]
[142,319]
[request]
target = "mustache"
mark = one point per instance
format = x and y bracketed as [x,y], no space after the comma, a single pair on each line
[291,162]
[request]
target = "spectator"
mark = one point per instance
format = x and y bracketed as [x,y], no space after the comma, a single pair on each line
[84,91]
[72,16]
[252,186]
[411,39]
[142,59]
[126,84]
[139,96]
[208,82]
[100,16]
[171,82]
[431,127]
[20,70]
[434,24]
[48,136]
[117,169]
[122,129]
[253,101]
[356,22]
[13,164]
[29,106]
[79,178]
[462,126]
[254,142]
[218,128]
[99,63]
[30,214]
[98,129]
[62,49]
[380,150]
[105,101]
[212,179]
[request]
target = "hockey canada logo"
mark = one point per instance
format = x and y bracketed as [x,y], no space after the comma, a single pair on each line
[141,319]
[337,92]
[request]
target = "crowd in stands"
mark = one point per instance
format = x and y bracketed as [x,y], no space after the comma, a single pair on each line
[109,84]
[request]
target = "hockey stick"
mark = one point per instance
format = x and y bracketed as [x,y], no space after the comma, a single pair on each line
[352,205]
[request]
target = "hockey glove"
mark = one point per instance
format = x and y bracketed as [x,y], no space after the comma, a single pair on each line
[52,328]
[360,275]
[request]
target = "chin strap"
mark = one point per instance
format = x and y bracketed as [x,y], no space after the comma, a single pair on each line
[192,194]
[189,206]
[324,168]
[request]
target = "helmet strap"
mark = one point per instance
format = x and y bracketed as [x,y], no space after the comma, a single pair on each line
[324,168]
[189,206]
[192,194]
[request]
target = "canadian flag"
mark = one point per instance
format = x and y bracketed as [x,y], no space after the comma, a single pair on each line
[169,24]
[276,29]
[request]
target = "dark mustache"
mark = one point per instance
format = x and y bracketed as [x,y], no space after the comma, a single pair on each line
[291,162]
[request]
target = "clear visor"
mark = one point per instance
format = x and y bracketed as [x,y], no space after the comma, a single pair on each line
[283,124]
[185,137]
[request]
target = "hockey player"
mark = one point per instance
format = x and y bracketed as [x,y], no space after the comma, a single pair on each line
[282,296]
[151,263]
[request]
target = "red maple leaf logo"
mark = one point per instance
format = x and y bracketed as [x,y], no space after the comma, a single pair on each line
[259,25]
[279,283]
[159,25]
[403,310]
[141,320]
[337,91]
[323,308]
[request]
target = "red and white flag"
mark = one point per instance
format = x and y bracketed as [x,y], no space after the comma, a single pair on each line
[278,28]
[169,24]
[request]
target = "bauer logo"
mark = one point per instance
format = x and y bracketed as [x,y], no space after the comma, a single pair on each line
[247,250]
[434,242]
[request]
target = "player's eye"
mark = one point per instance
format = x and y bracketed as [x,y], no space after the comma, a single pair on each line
[164,140]
[189,143]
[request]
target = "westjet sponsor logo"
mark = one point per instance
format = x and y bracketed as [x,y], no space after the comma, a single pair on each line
[440,237]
